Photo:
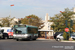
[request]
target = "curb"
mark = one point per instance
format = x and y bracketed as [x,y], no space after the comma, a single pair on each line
[69,41]
[45,39]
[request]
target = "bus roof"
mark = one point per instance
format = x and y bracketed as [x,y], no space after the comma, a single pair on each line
[25,26]
[31,26]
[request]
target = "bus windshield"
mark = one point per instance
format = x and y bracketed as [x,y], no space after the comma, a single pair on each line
[20,30]
[32,30]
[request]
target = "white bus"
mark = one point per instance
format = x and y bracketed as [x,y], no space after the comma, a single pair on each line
[25,32]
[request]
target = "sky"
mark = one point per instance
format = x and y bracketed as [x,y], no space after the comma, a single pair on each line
[39,8]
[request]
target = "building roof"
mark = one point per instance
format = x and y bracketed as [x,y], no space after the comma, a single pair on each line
[45,30]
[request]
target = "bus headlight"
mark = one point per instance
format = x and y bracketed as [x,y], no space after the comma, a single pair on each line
[14,35]
[26,35]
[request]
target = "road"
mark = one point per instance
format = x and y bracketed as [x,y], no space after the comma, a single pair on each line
[11,44]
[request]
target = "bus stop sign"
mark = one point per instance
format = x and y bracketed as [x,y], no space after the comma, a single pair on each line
[66,29]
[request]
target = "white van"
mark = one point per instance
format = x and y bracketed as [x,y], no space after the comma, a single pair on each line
[8,31]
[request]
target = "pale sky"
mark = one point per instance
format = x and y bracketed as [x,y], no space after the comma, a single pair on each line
[39,8]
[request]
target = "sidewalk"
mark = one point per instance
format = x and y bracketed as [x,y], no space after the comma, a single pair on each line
[44,39]
[68,41]
[55,40]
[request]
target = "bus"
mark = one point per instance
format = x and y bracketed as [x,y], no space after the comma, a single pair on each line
[25,32]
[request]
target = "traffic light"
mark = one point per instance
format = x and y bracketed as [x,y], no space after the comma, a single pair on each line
[66,22]
[71,23]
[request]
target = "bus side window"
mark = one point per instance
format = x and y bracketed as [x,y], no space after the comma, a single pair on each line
[16,31]
[29,29]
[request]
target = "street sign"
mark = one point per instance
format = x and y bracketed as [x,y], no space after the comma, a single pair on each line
[66,29]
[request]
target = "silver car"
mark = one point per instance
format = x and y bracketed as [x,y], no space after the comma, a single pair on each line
[59,37]
[73,36]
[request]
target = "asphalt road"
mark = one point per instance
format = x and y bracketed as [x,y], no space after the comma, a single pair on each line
[11,44]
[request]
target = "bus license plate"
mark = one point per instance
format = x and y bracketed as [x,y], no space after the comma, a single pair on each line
[19,35]
[20,38]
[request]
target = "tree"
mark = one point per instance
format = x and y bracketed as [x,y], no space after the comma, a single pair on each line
[66,36]
[32,20]
[59,20]
[6,22]
[0,25]
[73,28]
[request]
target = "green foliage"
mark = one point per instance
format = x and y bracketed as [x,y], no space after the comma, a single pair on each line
[66,35]
[59,20]
[0,25]
[73,28]
[32,20]
[6,22]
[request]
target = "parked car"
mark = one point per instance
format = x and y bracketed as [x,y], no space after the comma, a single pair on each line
[73,36]
[57,33]
[59,37]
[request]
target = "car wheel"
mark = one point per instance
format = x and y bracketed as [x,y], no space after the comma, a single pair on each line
[6,37]
[17,39]
[34,39]
[30,39]
[58,39]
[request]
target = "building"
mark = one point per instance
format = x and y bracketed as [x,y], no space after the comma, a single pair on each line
[46,32]
[14,21]
[73,16]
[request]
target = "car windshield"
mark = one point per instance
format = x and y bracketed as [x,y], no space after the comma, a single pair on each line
[61,34]
[20,30]
[72,33]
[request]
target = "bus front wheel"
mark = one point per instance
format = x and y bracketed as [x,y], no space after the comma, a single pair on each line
[34,39]
[18,39]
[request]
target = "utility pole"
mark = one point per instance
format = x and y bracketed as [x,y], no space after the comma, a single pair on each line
[10,9]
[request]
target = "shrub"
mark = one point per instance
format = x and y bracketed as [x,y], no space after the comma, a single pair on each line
[66,35]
